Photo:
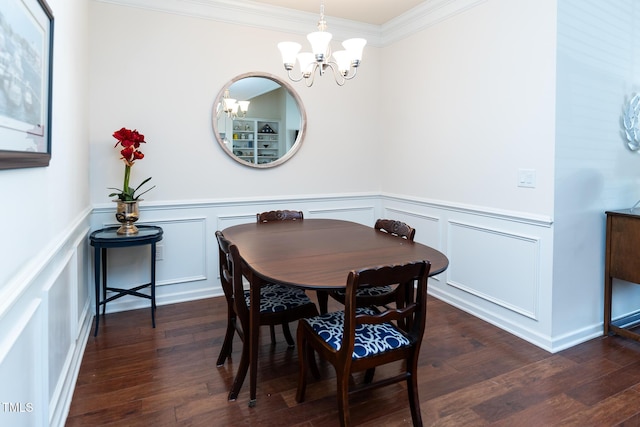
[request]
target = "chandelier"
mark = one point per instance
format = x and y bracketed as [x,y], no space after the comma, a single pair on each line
[232,107]
[343,63]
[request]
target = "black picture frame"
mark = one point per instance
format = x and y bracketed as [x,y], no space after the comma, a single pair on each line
[26,65]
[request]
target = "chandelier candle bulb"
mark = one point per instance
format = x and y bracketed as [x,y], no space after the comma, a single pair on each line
[354,47]
[319,43]
[306,61]
[343,60]
[289,50]
[230,106]
[244,106]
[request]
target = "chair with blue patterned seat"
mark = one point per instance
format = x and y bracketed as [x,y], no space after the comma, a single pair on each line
[273,216]
[374,296]
[279,304]
[361,338]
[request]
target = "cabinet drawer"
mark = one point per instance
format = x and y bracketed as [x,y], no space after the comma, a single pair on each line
[624,247]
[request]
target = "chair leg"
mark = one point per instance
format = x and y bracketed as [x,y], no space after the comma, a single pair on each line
[227,345]
[303,352]
[323,301]
[243,367]
[311,359]
[414,400]
[368,375]
[342,380]
[272,330]
[287,334]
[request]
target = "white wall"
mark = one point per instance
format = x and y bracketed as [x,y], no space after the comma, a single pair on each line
[37,193]
[598,71]
[164,83]
[43,248]
[478,98]
[478,106]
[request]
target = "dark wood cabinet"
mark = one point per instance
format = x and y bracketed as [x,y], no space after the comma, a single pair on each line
[621,262]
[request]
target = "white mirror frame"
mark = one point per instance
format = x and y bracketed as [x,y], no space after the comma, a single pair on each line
[303,121]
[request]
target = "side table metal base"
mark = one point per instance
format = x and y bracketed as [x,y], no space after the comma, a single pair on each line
[106,238]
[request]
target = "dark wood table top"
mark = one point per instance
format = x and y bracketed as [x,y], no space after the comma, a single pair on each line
[320,253]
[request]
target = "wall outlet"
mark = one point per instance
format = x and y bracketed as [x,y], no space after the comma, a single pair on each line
[159,252]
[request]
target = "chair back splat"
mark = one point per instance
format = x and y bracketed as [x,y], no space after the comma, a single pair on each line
[280,215]
[276,216]
[361,338]
[397,228]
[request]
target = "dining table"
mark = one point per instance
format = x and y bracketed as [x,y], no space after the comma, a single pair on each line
[315,254]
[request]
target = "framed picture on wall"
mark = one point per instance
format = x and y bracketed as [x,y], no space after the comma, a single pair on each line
[26,56]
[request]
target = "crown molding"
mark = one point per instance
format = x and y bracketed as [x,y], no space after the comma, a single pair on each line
[424,15]
[259,15]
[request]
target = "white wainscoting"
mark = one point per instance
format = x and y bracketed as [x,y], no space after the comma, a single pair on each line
[499,267]
[45,319]
[500,271]
[500,262]
[189,268]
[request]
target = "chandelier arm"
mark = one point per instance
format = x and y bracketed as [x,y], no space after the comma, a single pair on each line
[294,79]
[355,71]
[321,66]
[337,75]
[308,81]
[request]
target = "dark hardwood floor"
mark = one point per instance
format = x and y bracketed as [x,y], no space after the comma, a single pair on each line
[471,374]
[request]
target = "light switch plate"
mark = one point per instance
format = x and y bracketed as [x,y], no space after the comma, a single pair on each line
[527,178]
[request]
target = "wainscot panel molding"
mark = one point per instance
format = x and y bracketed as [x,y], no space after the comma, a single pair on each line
[364,214]
[181,263]
[428,227]
[482,268]
[498,214]
[188,269]
[258,15]
[499,263]
[45,321]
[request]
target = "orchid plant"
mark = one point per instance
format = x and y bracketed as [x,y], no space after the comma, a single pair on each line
[130,141]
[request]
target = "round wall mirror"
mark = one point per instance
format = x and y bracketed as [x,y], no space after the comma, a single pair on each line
[259,120]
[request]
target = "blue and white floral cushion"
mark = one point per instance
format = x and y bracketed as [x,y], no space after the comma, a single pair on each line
[370,339]
[275,298]
[368,291]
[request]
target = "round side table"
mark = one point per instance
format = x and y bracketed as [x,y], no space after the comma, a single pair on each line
[106,238]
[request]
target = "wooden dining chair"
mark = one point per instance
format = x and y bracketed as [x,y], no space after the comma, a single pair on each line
[279,304]
[361,338]
[374,296]
[279,215]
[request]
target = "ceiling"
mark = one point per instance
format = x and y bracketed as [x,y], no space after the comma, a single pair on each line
[375,12]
